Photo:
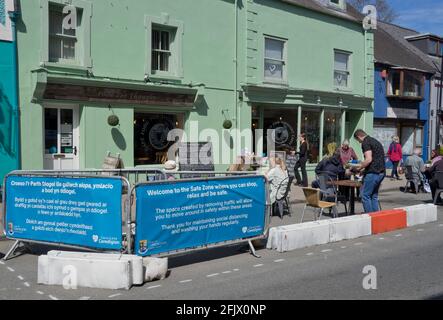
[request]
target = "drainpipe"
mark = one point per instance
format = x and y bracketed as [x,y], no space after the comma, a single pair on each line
[440,100]
[14,16]
[237,122]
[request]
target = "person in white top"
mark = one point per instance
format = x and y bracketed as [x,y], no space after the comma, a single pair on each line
[276,174]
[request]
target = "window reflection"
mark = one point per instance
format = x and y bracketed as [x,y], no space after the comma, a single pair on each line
[310,125]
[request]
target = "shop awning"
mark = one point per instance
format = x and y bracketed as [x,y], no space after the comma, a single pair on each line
[57,87]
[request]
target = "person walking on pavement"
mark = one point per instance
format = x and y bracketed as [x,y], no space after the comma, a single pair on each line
[301,163]
[395,156]
[373,168]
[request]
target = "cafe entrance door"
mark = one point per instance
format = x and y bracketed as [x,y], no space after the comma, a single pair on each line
[61,138]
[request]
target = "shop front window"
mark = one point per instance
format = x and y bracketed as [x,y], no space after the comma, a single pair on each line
[331,132]
[284,124]
[151,137]
[310,125]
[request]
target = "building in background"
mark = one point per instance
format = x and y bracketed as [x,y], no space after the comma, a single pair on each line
[9,119]
[430,48]
[154,66]
[402,91]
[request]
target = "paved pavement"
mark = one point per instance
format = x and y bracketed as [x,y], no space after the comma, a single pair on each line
[408,264]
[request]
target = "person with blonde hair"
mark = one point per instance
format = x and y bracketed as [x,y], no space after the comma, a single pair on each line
[395,156]
[276,175]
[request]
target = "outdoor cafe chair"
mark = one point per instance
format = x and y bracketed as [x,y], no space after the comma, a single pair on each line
[329,191]
[438,177]
[313,200]
[283,203]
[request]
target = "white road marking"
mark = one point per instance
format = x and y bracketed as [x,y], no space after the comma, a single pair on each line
[212,275]
[21,278]
[279,260]
[344,247]
[420,230]
[153,287]
[84,298]
[41,293]
[186,281]
[115,295]
[52,297]
[326,250]
[441,225]
[26,284]
[310,254]
[398,235]
[226,272]
[358,243]
[18,289]
[10,269]
[235,270]
[2,262]
[381,238]
[259,265]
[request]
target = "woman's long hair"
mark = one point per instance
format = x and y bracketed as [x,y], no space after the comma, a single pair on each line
[281,163]
[303,135]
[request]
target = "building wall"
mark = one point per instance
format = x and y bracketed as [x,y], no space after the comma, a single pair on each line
[9,131]
[382,103]
[119,50]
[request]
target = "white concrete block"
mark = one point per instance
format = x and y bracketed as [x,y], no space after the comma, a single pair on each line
[420,214]
[137,268]
[43,270]
[274,238]
[90,270]
[351,227]
[304,235]
[155,268]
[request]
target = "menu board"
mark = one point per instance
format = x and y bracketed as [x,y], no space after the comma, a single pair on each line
[195,156]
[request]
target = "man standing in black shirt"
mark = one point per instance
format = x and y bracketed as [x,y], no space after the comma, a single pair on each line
[374,170]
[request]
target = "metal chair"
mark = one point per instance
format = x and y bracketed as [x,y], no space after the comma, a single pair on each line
[283,203]
[438,178]
[330,191]
[313,200]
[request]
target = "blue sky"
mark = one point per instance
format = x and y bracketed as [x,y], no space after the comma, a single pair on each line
[424,15]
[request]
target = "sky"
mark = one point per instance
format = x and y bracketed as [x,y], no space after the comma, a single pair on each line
[425,16]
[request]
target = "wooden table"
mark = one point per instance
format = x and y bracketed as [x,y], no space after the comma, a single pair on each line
[352,185]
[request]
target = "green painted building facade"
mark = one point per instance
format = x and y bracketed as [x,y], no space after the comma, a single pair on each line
[160,65]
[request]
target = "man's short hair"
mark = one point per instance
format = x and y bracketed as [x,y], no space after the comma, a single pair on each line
[359,133]
[417,151]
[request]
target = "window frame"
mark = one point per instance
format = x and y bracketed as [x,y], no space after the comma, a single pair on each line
[349,71]
[62,36]
[284,79]
[83,34]
[401,95]
[176,46]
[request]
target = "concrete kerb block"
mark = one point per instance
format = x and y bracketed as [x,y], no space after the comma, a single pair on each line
[420,214]
[274,238]
[91,270]
[351,227]
[304,235]
[155,268]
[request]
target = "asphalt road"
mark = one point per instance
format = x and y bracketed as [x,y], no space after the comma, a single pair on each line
[407,263]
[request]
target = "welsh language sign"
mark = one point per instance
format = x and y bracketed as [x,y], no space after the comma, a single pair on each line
[192,214]
[74,211]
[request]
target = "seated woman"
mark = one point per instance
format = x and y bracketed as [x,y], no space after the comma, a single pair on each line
[276,175]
